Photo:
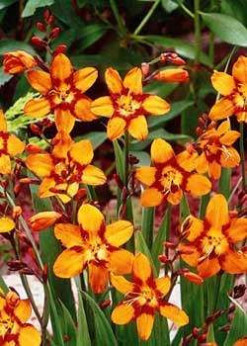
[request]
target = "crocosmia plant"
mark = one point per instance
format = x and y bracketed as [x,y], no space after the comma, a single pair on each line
[123,186]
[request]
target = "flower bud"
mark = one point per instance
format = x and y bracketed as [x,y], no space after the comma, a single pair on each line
[17,62]
[40,26]
[60,49]
[145,67]
[33,149]
[38,42]
[43,220]
[55,32]
[163,259]
[17,211]
[192,277]
[173,75]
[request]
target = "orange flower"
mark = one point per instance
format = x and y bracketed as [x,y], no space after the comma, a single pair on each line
[93,245]
[217,150]
[212,241]
[14,314]
[169,177]
[127,106]
[10,146]
[65,168]
[172,75]
[241,342]
[43,220]
[143,298]
[62,92]
[17,62]
[234,91]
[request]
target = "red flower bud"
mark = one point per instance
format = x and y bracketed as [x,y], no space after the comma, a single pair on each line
[60,49]
[38,42]
[40,26]
[55,32]
[33,149]
[163,259]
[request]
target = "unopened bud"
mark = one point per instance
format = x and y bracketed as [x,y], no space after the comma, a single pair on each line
[103,305]
[38,42]
[17,211]
[145,67]
[169,245]
[29,181]
[81,194]
[192,277]
[55,32]
[33,149]
[35,129]
[43,220]
[178,75]
[40,26]
[62,48]
[164,259]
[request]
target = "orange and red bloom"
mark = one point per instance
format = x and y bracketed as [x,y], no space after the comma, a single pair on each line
[65,168]
[95,246]
[10,146]
[234,91]
[18,62]
[172,75]
[217,150]
[210,244]
[169,177]
[143,298]
[127,105]
[63,93]
[14,314]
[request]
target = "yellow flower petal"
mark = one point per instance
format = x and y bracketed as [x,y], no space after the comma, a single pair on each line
[163,285]
[238,230]
[28,335]
[115,128]
[61,67]
[151,198]
[229,137]
[93,176]
[133,80]
[3,122]
[142,267]
[102,106]
[230,158]
[121,262]
[175,197]
[144,324]
[201,164]
[37,108]
[90,218]
[23,310]
[113,81]
[121,284]
[138,128]
[161,151]
[14,145]
[83,109]
[39,80]
[217,211]
[43,220]
[155,105]
[208,267]
[194,227]
[119,232]
[69,263]
[224,127]
[173,313]
[68,234]
[5,164]
[234,262]
[82,152]
[223,83]
[239,70]
[146,175]
[40,164]
[45,186]
[222,109]
[6,224]
[84,78]
[214,170]
[98,278]
[198,185]
[123,314]
[64,120]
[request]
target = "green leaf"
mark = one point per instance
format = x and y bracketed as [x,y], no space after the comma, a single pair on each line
[96,137]
[3,285]
[103,332]
[141,246]
[4,77]
[6,3]
[236,9]
[238,326]
[32,5]
[160,89]
[183,48]
[90,34]
[69,327]
[226,28]
[82,335]
[176,109]
[169,5]
[7,45]
[225,182]
[148,225]
[143,157]
[119,157]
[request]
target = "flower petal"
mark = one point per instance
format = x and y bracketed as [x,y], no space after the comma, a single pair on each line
[217,211]
[222,109]
[29,335]
[113,81]
[223,83]
[198,185]
[82,152]
[121,284]
[64,120]
[102,106]
[239,70]
[201,164]
[68,234]
[93,176]
[45,186]
[224,127]
[3,122]
[6,224]
[90,218]
[173,313]
[155,105]
[234,262]
[115,128]
[98,278]
[69,263]
[133,80]
[37,108]
[5,164]
[23,310]
[142,268]
[146,175]
[14,145]
[175,197]
[193,257]
[193,228]
[138,127]
[123,314]
[230,158]
[161,151]
[187,160]
[144,324]
[208,267]
[84,78]
[121,262]
[238,230]
[119,232]
[151,198]
[229,137]
[61,67]
[40,164]
[163,285]
[39,80]
[214,170]
[82,109]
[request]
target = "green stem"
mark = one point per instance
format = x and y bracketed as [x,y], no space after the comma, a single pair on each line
[117,16]
[186,10]
[147,17]
[197,30]
[242,154]
[126,154]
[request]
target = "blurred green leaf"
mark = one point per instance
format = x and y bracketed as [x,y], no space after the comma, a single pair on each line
[6,3]
[160,89]
[96,137]
[236,9]
[7,45]
[169,5]
[32,5]
[3,285]
[143,157]
[226,28]
[82,335]
[239,325]
[148,225]
[4,77]
[69,327]
[90,34]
